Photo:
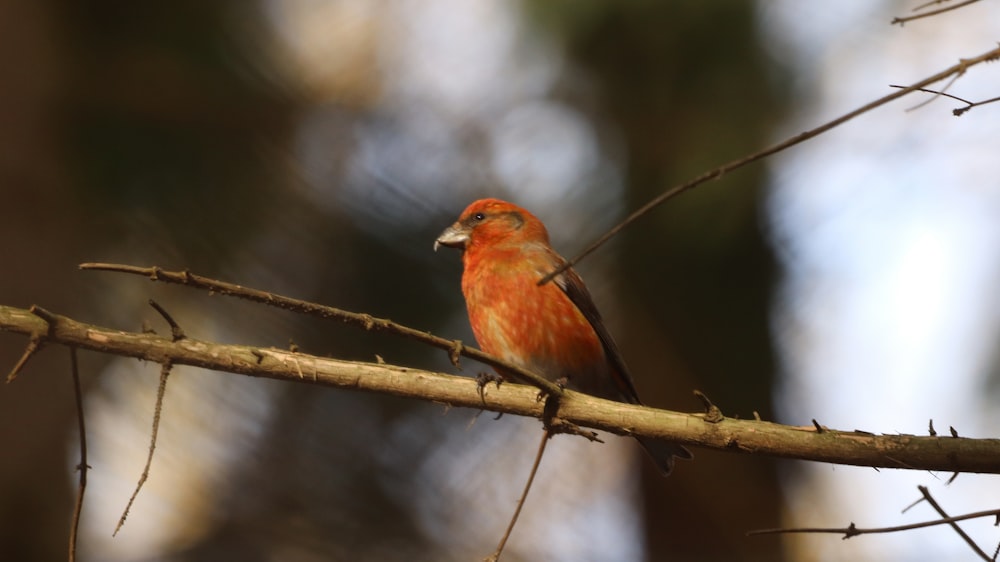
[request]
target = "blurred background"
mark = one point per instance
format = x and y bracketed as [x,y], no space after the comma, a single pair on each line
[316,148]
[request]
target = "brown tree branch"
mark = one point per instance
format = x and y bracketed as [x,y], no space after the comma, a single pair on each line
[951,454]
[366,321]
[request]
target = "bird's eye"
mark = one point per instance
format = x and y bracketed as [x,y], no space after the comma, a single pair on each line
[478,217]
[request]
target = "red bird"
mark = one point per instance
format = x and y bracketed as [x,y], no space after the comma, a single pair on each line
[552,329]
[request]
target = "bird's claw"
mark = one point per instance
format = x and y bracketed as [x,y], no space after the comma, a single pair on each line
[485,378]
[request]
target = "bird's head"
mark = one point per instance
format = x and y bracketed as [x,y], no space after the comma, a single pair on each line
[488,222]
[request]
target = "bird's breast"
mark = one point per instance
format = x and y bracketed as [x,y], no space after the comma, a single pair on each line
[536,327]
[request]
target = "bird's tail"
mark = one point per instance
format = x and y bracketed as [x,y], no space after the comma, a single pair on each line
[663,453]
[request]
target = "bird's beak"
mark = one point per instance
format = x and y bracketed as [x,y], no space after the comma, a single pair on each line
[455,236]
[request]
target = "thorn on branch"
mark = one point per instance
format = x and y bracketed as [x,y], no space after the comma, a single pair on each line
[819,428]
[712,412]
[50,318]
[954,432]
[930,428]
[34,344]
[176,333]
[852,531]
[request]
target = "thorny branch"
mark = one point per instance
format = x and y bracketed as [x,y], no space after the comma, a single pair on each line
[853,530]
[366,321]
[942,453]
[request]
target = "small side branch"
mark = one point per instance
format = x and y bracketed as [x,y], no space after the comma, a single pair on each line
[366,321]
[901,20]
[958,111]
[82,467]
[160,392]
[954,524]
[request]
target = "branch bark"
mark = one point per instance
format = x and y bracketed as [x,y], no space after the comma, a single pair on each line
[815,443]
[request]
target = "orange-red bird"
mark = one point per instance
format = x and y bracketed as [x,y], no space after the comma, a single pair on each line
[552,329]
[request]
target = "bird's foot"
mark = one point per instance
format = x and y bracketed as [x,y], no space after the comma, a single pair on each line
[485,378]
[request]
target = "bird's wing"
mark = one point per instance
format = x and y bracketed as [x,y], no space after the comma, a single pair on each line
[572,285]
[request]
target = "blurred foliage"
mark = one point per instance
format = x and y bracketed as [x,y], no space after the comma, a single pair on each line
[171,129]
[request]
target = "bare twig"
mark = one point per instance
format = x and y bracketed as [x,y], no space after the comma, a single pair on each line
[160,392]
[366,321]
[852,530]
[524,496]
[175,330]
[904,19]
[958,111]
[954,525]
[82,467]
[717,173]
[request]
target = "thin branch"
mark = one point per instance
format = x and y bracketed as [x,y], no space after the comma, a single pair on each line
[546,435]
[943,453]
[954,525]
[161,391]
[717,173]
[366,321]
[904,19]
[852,530]
[82,467]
